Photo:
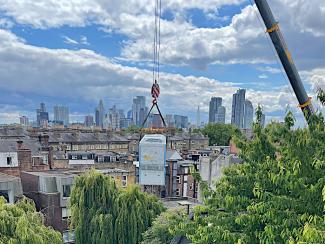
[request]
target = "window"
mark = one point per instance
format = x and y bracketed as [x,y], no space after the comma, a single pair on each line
[177,192]
[9,160]
[100,159]
[124,181]
[45,160]
[66,190]
[186,170]
[178,179]
[84,157]
[66,213]
[74,157]
[191,186]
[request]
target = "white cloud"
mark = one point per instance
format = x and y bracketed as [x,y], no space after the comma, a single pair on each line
[83,75]
[269,69]
[183,43]
[6,24]
[69,40]
[263,76]
[84,40]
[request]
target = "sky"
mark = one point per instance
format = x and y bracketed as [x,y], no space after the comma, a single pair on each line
[75,52]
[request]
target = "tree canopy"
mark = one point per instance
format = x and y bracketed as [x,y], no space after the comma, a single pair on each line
[220,134]
[103,213]
[159,233]
[21,224]
[276,196]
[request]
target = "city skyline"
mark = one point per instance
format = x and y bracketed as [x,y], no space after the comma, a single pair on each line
[116,118]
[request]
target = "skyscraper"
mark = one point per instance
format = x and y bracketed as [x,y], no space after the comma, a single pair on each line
[198,117]
[215,103]
[24,121]
[100,114]
[139,110]
[42,117]
[181,122]
[61,115]
[249,114]
[238,108]
[89,120]
[221,115]
[129,114]
[114,117]
[169,119]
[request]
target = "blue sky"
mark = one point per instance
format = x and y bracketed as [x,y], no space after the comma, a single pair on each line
[76,52]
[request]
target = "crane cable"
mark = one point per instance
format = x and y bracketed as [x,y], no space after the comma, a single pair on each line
[155,89]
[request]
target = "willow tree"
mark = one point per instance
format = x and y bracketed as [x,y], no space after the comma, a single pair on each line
[20,223]
[103,213]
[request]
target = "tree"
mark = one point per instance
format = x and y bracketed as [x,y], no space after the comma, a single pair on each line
[274,197]
[132,129]
[159,232]
[321,96]
[20,223]
[259,113]
[220,134]
[103,213]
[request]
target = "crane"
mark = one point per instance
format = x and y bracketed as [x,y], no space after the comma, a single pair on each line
[272,27]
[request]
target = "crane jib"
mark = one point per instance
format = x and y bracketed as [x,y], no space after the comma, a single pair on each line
[285,56]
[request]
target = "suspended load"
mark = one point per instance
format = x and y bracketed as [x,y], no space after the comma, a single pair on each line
[152,160]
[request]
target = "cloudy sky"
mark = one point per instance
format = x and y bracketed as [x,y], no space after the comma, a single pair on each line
[74,52]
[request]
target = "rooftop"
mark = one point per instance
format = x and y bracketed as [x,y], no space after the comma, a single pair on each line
[72,172]
[6,178]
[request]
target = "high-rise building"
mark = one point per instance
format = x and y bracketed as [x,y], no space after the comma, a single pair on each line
[114,117]
[100,114]
[129,114]
[42,117]
[61,115]
[198,117]
[249,114]
[215,103]
[24,121]
[181,122]
[121,113]
[89,120]
[157,121]
[125,123]
[238,108]
[169,119]
[221,115]
[139,110]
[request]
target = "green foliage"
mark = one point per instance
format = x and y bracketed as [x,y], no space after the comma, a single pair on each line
[132,129]
[220,134]
[321,96]
[161,232]
[259,113]
[20,223]
[103,213]
[276,196]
